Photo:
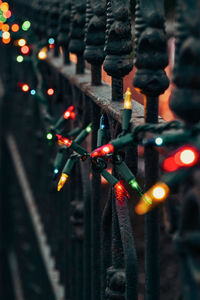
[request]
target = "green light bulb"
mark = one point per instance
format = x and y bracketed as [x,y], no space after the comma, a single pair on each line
[26,25]
[136,186]
[49,136]
[20,58]
[134,183]
[88,129]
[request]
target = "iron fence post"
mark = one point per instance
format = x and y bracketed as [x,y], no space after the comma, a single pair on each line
[95,37]
[77,33]
[151,80]
[118,45]
[184,101]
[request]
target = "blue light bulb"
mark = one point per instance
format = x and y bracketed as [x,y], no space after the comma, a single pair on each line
[33,92]
[56,171]
[159,141]
[51,41]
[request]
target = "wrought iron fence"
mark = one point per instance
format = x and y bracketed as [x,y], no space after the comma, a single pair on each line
[82,242]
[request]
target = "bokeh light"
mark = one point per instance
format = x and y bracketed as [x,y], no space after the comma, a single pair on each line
[4,6]
[42,53]
[26,25]
[15,27]
[6,35]
[25,50]
[7,14]
[5,27]
[20,58]
[33,92]
[2,19]
[22,42]
[6,41]
[50,92]
[25,87]
[51,41]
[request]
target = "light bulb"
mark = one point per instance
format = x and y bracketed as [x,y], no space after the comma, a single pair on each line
[42,53]
[62,181]
[127,100]
[49,136]
[22,42]
[155,195]
[25,87]
[50,92]
[19,58]
[103,150]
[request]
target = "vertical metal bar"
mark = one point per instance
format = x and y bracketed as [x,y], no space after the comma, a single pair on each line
[117,89]
[76,44]
[106,259]
[184,101]
[95,214]
[152,224]
[80,66]
[64,26]
[96,74]
[152,85]
[95,37]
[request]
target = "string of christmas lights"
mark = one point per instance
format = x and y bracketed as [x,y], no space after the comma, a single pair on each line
[176,166]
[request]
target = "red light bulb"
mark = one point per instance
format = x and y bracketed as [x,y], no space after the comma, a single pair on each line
[69,113]
[71,108]
[186,156]
[64,140]
[50,92]
[25,50]
[7,14]
[25,88]
[120,192]
[73,115]
[103,150]
[169,165]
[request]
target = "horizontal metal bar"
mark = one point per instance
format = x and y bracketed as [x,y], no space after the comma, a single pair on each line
[101,95]
[35,218]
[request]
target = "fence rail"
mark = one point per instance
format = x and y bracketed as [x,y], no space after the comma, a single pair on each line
[86,241]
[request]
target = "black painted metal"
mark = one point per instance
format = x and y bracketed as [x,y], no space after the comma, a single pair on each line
[151,80]
[118,46]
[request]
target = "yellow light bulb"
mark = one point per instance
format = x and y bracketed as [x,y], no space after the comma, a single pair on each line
[4,6]
[6,35]
[43,53]
[157,194]
[62,181]
[22,42]
[127,100]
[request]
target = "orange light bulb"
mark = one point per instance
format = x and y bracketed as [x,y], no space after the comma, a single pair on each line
[155,195]
[15,27]
[62,181]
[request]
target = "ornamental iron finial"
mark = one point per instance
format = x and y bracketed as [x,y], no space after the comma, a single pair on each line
[184,100]
[151,48]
